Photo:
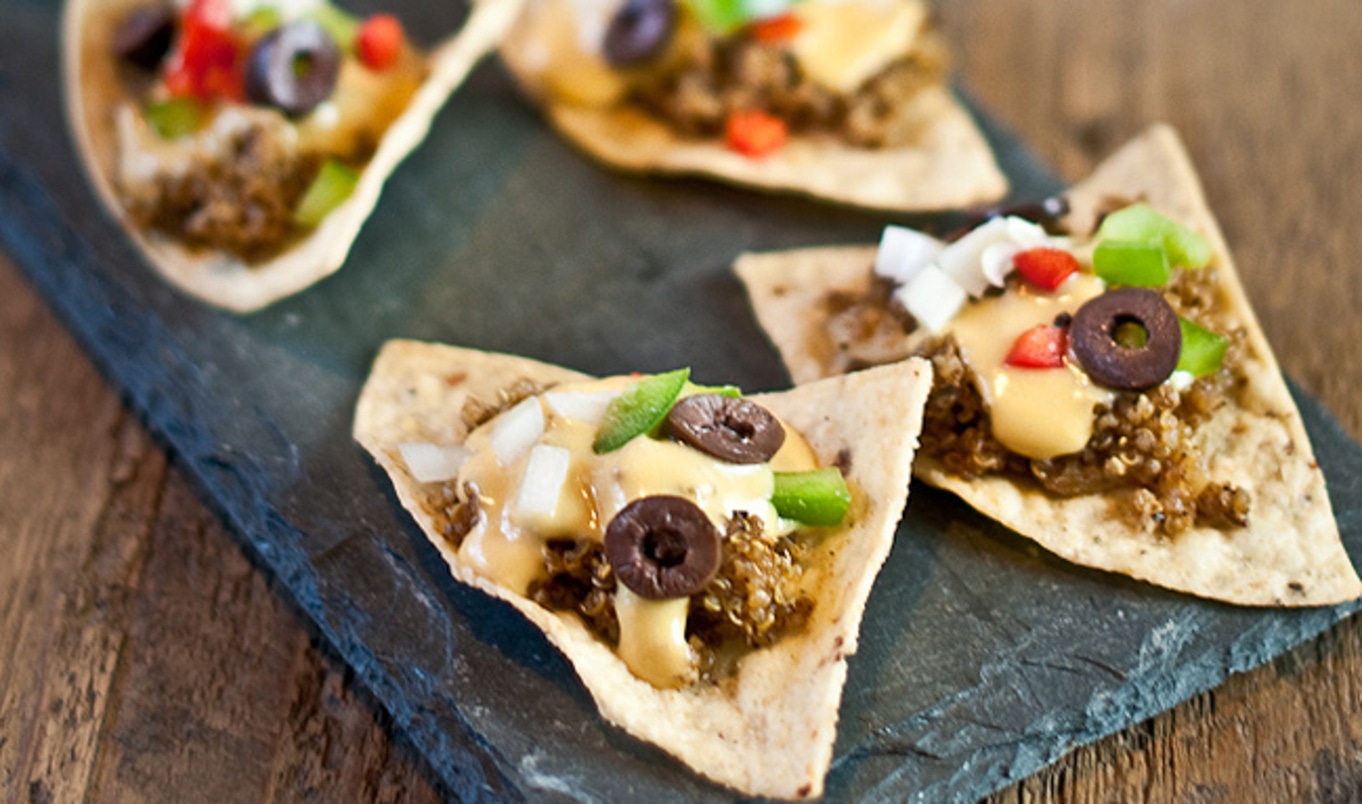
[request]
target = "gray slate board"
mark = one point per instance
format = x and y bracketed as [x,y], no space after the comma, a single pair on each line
[982,658]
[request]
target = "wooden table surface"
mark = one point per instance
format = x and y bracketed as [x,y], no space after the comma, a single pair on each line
[143,657]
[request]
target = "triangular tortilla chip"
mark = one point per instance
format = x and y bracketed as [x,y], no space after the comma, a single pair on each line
[769,730]
[950,166]
[1289,554]
[94,92]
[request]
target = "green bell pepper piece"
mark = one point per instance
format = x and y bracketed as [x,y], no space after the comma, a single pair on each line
[261,21]
[175,118]
[817,497]
[334,183]
[1142,223]
[1203,351]
[342,26]
[638,410]
[1136,264]
[719,16]
[692,389]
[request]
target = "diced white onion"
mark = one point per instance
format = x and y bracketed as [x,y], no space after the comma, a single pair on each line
[581,407]
[996,262]
[516,429]
[1025,233]
[963,260]
[542,482]
[1181,380]
[903,252]
[433,463]
[932,297]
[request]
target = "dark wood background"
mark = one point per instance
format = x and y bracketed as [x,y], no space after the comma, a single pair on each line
[142,657]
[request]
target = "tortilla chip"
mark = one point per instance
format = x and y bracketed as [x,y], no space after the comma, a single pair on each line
[1289,554]
[951,166]
[94,92]
[768,730]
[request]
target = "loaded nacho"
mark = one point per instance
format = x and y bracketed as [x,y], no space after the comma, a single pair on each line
[701,557]
[840,99]
[244,142]
[1102,388]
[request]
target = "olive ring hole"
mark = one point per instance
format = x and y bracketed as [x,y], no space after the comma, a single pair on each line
[302,64]
[293,68]
[1129,332]
[665,547]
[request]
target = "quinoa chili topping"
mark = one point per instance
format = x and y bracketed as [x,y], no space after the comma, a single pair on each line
[593,498]
[240,200]
[247,123]
[753,601]
[748,74]
[1140,445]
[716,78]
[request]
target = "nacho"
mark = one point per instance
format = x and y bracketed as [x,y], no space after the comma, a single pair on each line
[842,100]
[240,181]
[757,714]
[1203,481]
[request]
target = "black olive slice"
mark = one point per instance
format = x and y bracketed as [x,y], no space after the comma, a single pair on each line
[293,68]
[662,547]
[728,428]
[639,31]
[144,37]
[1128,339]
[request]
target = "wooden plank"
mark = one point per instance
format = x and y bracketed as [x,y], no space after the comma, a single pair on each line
[207,674]
[222,697]
[142,656]
[77,481]
[335,748]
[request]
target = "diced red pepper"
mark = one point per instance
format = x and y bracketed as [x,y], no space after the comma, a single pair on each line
[379,43]
[215,14]
[755,133]
[1046,268]
[776,29]
[1042,346]
[207,63]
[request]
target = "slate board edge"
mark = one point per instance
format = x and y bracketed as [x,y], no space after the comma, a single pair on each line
[66,277]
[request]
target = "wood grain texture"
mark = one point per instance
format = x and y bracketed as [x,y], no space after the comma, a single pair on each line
[1266,97]
[143,658]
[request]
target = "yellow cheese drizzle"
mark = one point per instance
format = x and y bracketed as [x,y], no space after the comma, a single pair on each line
[508,548]
[1038,413]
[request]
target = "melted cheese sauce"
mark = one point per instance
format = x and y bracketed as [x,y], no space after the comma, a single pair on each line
[361,108]
[506,545]
[558,45]
[841,44]
[653,638]
[1038,413]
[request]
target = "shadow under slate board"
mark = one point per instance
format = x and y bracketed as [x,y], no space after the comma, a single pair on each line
[982,658]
